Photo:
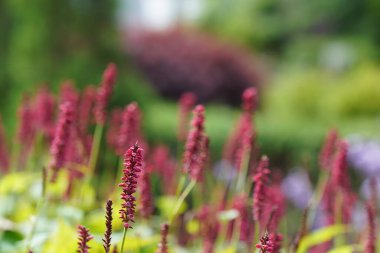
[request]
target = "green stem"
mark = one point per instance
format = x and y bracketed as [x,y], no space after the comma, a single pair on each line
[182,198]
[181,183]
[243,170]
[122,242]
[318,196]
[95,149]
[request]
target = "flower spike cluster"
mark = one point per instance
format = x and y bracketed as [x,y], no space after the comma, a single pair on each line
[84,238]
[327,152]
[108,233]
[60,142]
[186,103]
[259,191]
[163,245]
[132,167]
[129,128]
[104,93]
[266,244]
[146,196]
[196,146]
[339,173]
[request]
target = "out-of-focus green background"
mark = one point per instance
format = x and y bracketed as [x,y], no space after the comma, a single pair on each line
[318,62]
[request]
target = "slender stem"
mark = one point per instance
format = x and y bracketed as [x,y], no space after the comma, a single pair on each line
[95,149]
[122,242]
[182,198]
[318,196]
[243,170]
[181,183]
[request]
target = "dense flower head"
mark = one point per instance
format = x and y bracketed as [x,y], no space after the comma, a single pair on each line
[186,103]
[146,196]
[60,141]
[249,98]
[44,109]
[276,240]
[340,173]
[104,93]
[163,245]
[108,232]
[209,227]
[130,127]
[84,238]
[327,153]
[196,145]
[259,191]
[277,201]
[266,244]
[240,143]
[133,159]
[246,223]
[69,93]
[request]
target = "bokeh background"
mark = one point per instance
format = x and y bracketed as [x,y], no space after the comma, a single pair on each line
[315,63]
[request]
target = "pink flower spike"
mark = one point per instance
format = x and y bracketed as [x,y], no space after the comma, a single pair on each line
[260,191]
[186,103]
[133,159]
[104,93]
[196,145]
[327,153]
[60,142]
[84,238]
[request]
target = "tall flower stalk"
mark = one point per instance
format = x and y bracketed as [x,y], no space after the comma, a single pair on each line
[108,232]
[83,239]
[102,98]
[59,145]
[133,159]
[195,155]
[163,245]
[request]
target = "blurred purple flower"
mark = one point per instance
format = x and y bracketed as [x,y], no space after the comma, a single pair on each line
[297,188]
[365,189]
[359,217]
[364,155]
[223,170]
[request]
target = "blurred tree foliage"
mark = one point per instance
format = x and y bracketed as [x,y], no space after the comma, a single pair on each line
[273,24]
[45,41]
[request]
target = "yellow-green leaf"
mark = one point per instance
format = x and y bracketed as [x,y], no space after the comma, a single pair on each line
[320,236]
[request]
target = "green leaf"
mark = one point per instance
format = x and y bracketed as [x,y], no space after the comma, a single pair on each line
[320,236]
[347,249]
[166,204]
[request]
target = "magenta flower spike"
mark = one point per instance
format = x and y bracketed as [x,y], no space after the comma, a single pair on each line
[133,159]
[259,191]
[130,127]
[146,196]
[163,245]
[108,233]
[186,103]
[196,146]
[60,142]
[104,93]
[327,153]
[84,238]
